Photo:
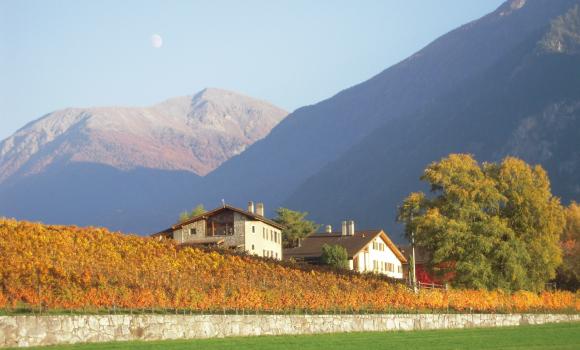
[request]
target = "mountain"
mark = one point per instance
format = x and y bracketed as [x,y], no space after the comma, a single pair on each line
[115,166]
[188,133]
[527,104]
[313,158]
[505,84]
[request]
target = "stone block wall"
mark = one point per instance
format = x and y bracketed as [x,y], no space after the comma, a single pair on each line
[22,331]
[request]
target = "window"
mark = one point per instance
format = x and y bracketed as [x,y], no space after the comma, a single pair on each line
[263,252]
[253,229]
[399,269]
[252,247]
[192,231]
[276,255]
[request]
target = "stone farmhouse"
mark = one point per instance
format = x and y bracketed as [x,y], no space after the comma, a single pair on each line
[368,251]
[230,227]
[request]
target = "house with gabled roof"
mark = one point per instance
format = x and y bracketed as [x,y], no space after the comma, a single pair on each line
[368,250]
[227,226]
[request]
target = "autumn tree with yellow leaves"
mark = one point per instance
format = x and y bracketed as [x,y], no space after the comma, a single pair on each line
[490,225]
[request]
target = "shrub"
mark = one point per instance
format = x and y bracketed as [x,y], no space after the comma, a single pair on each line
[335,256]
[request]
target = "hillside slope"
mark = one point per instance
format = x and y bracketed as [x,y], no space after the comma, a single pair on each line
[71,268]
[526,105]
[314,136]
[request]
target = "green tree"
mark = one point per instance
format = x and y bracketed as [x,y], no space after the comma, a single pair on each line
[569,272]
[296,226]
[335,256]
[536,217]
[186,215]
[487,225]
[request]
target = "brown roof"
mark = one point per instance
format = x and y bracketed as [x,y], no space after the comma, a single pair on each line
[210,213]
[168,233]
[311,246]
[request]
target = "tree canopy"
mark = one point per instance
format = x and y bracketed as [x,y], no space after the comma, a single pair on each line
[490,225]
[186,215]
[296,226]
[335,256]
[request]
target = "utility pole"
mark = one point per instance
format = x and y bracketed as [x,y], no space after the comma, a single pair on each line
[414,280]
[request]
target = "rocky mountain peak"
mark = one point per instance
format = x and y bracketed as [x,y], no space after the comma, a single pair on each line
[510,6]
[192,133]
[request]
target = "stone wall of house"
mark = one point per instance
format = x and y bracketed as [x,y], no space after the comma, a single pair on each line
[183,235]
[25,331]
[237,240]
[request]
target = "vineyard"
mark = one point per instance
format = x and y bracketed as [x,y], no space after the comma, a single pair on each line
[71,268]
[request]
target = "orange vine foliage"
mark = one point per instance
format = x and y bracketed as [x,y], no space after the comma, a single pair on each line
[61,267]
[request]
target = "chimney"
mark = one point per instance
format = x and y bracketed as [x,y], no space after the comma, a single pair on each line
[251,207]
[260,209]
[344,228]
[351,228]
[328,229]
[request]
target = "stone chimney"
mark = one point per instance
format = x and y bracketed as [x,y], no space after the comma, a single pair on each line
[251,207]
[351,228]
[260,209]
[344,228]
[328,229]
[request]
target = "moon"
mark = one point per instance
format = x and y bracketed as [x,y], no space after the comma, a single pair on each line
[156,41]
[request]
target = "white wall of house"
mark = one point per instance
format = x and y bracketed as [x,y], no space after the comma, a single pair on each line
[262,239]
[377,257]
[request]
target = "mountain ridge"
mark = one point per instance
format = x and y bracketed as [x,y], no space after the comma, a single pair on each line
[356,154]
[331,127]
[526,105]
[194,133]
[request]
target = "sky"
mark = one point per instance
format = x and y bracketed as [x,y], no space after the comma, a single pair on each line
[58,54]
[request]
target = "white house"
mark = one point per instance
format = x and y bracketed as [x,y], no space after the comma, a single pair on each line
[227,226]
[368,251]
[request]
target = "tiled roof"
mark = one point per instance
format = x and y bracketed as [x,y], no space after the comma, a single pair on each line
[311,246]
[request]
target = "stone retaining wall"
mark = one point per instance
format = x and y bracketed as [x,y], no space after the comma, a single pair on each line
[25,331]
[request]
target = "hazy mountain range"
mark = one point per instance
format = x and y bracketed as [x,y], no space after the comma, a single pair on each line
[507,83]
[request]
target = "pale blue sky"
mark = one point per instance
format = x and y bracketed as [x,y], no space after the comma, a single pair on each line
[57,54]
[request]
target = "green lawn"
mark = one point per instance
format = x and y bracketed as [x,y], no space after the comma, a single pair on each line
[552,336]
